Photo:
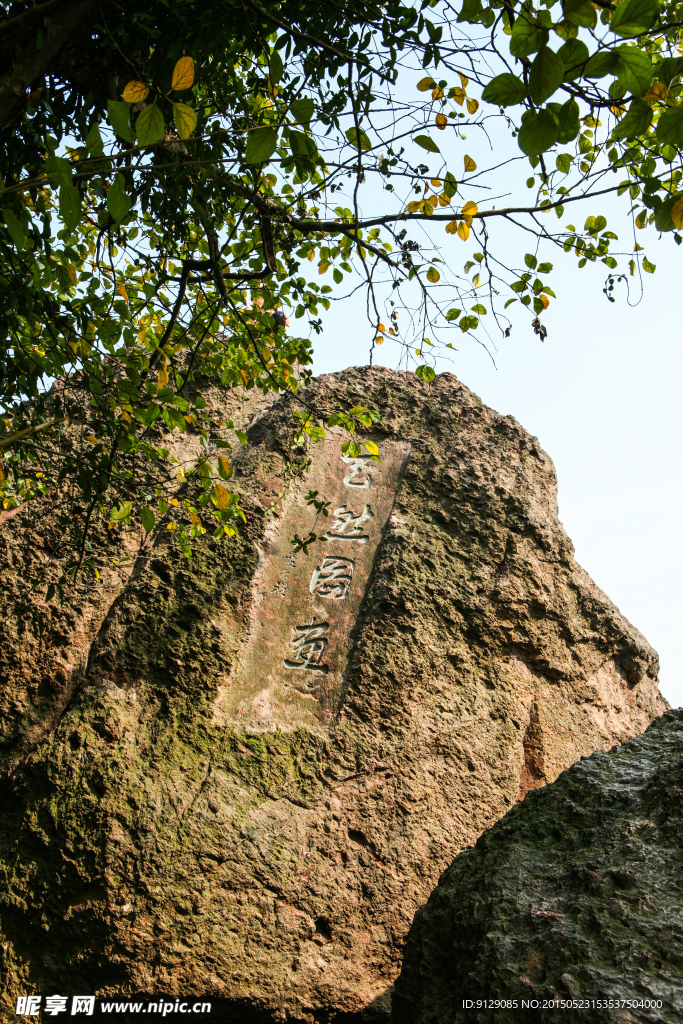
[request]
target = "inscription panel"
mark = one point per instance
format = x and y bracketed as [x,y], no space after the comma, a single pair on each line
[305,606]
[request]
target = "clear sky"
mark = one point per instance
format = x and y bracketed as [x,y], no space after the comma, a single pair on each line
[603,395]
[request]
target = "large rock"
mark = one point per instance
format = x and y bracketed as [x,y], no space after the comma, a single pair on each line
[260,761]
[574,899]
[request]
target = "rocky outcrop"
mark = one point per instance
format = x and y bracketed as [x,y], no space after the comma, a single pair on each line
[266,758]
[575,899]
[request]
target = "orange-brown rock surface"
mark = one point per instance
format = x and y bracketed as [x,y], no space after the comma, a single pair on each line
[240,775]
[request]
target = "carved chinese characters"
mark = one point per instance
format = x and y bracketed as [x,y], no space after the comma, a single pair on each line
[306,605]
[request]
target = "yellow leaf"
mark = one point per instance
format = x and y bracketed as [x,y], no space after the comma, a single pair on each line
[122,291]
[444,200]
[180,474]
[189,419]
[657,91]
[227,468]
[472,106]
[244,375]
[392,332]
[464,79]
[381,328]
[73,276]
[433,201]
[545,301]
[463,230]
[433,275]
[469,210]
[310,254]
[222,497]
[451,227]
[677,213]
[459,96]
[469,164]
[437,94]
[135,92]
[2,475]
[476,281]
[185,119]
[174,502]
[162,377]
[125,416]
[196,521]
[425,83]
[618,111]
[412,207]
[441,121]
[436,182]
[183,74]
[323,267]
[379,339]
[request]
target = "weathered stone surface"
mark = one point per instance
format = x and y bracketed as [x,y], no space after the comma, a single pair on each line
[576,894]
[171,827]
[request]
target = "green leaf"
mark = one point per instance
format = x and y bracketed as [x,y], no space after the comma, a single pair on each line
[122,512]
[563,162]
[148,519]
[450,185]
[425,373]
[634,69]
[527,35]
[426,143]
[670,68]
[118,200]
[302,145]
[69,205]
[241,437]
[634,17]
[600,64]
[185,119]
[568,124]
[546,75]
[58,170]
[530,261]
[261,143]
[481,310]
[275,68]
[149,126]
[580,13]
[355,139]
[453,314]
[16,228]
[118,114]
[635,122]
[302,110]
[670,127]
[93,141]
[471,11]
[663,219]
[504,90]
[538,133]
[433,275]
[372,447]
[574,56]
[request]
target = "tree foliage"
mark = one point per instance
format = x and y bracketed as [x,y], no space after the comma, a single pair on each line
[177,175]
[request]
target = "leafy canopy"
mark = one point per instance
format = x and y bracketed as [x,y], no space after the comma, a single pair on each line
[175,173]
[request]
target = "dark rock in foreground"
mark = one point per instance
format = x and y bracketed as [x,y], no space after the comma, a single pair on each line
[576,894]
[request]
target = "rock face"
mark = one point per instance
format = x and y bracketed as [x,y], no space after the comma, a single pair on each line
[577,894]
[266,759]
